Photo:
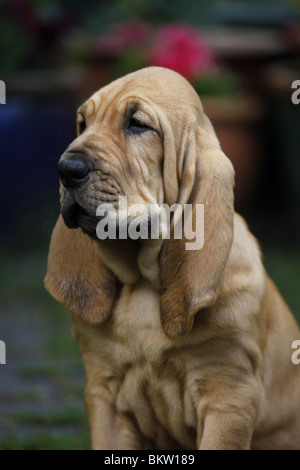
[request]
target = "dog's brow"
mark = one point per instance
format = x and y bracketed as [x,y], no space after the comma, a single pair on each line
[133,106]
[87,109]
[80,111]
[131,109]
[90,107]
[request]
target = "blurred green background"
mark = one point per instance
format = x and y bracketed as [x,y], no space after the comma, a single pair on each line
[53,55]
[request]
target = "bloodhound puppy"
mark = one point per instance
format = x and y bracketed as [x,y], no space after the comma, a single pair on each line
[182,348]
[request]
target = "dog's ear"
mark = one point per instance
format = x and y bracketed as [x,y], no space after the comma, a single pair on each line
[76,277]
[191,279]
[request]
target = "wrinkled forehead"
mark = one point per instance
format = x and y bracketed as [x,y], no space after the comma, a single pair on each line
[154,86]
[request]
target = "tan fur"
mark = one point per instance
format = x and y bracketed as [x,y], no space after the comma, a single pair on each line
[182,349]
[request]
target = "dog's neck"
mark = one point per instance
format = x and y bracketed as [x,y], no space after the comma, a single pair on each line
[130,260]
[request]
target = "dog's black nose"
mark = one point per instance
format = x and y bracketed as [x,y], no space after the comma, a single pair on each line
[73,172]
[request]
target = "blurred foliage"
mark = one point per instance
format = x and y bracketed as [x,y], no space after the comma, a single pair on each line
[18,45]
[131,45]
[34,33]
[218,85]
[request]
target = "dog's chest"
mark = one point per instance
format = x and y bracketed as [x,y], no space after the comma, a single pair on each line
[154,385]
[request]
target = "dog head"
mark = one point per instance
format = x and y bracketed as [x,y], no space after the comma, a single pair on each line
[145,136]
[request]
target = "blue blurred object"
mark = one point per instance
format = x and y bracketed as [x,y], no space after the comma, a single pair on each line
[33,135]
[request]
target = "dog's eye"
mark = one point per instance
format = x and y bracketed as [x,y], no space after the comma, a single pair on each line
[81,125]
[137,127]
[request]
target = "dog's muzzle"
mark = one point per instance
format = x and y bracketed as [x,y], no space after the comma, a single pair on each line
[73,170]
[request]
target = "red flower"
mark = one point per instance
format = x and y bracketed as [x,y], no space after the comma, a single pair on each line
[120,38]
[182,49]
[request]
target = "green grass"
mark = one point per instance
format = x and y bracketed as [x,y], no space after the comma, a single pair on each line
[40,371]
[73,416]
[44,407]
[30,395]
[47,440]
[283,266]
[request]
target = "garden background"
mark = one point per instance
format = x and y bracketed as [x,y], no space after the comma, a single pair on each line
[241,56]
